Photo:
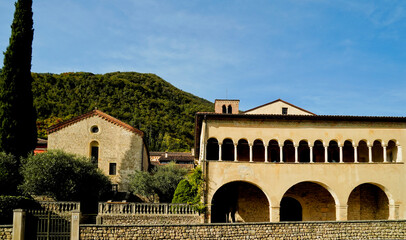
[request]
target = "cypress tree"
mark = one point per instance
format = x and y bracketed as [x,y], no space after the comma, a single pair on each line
[18,134]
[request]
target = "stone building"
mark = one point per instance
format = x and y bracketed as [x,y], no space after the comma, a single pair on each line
[279,162]
[116,147]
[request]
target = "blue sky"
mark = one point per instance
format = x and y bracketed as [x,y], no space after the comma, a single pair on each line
[330,57]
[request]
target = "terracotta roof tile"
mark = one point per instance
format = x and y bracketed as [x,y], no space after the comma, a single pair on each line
[93,113]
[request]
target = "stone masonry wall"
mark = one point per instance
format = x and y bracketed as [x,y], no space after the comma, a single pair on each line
[6,232]
[299,230]
[149,220]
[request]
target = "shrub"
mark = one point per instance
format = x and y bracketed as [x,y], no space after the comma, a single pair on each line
[10,177]
[8,203]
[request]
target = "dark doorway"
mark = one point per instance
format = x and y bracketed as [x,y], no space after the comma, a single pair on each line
[290,210]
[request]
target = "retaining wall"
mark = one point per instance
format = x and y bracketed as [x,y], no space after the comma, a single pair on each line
[298,230]
[6,232]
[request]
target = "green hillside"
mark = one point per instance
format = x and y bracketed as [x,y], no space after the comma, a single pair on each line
[145,101]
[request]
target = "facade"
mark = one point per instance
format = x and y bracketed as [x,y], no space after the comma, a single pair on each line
[116,147]
[278,162]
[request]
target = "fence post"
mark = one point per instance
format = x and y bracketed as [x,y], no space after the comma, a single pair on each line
[74,230]
[18,224]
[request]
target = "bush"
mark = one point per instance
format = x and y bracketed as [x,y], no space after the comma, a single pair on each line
[8,203]
[161,182]
[190,190]
[10,177]
[64,177]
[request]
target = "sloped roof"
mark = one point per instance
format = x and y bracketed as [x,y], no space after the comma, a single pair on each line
[280,100]
[93,113]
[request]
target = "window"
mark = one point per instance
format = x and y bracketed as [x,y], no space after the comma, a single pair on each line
[94,129]
[229,109]
[114,187]
[284,111]
[95,154]
[224,109]
[113,169]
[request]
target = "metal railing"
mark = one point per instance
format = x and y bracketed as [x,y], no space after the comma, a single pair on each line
[119,208]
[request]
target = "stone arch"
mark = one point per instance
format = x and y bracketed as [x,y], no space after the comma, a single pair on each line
[239,201]
[377,151]
[94,151]
[317,201]
[227,150]
[392,151]
[273,151]
[318,151]
[348,151]
[288,151]
[212,149]
[363,151]
[243,150]
[368,201]
[258,151]
[333,151]
[224,109]
[303,151]
[229,109]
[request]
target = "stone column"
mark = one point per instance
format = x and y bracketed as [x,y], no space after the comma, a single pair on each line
[281,154]
[74,225]
[251,160]
[370,154]
[220,152]
[274,213]
[19,224]
[399,157]
[296,155]
[384,154]
[311,154]
[235,152]
[355,154]
[341,212]
[326,154]
[341,154]
[266,153]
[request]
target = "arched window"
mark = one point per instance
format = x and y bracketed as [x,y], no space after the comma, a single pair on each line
[243,150]
[288,151]
[273,151]
[348,152]
[212,149]
[304,151]
[227,150]
[318,151]
[333,152]
[94,152]
[224,109]
[377,151]
[230,109]
[391,151]
[363,154]
[258,151]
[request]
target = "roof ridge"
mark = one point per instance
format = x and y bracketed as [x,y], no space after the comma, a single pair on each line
[92,113]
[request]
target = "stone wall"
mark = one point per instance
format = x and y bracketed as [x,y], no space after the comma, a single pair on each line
[6,232]
[148,219]
[299,230]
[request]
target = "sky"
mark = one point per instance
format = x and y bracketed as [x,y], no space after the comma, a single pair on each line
[340,57]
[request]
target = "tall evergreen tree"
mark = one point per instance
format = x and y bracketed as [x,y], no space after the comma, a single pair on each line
[17,115]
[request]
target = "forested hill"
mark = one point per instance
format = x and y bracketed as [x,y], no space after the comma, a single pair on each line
[145,101]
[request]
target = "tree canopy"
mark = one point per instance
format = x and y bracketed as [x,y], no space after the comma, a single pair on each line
[18,134]
[145,101]
[190,189]
[161,182]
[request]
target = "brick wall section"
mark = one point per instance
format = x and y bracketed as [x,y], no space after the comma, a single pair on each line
[149,220]
[303,230]
[6,232]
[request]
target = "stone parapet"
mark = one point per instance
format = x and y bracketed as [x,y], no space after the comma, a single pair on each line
[6,232]
[292,230]
[149,219]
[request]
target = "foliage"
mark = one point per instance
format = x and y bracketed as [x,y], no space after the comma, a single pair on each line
[8,203]
[44,124]
[63,177]
[145,101]
[190,190]
[18,134]
[161,182]
[10,177]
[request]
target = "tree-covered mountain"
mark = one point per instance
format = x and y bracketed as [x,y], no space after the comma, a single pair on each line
[145,101]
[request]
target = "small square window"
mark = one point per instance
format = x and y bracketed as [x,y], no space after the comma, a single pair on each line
[114,187]
[113,169]
[284,111]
